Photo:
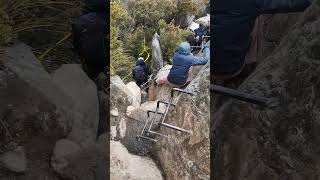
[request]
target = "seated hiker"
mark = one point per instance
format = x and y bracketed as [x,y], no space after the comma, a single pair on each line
[140,72]
[183,60]
[232,27]
[90,40]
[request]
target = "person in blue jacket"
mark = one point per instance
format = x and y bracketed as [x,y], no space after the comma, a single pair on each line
[183,60]
[232,24]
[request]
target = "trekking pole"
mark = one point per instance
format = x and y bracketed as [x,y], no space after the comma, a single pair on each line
[239,95]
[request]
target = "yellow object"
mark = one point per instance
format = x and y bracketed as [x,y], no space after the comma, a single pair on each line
[145,50]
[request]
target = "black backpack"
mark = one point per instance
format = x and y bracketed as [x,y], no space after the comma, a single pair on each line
[90,38]
[139,74]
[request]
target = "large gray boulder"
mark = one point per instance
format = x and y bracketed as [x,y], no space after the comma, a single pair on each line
[15,161]
[124,165]
[89,163]
[34,111]
[120,95]
[135,93]
[280,141]
[30,91]
[62,149]
[83,92]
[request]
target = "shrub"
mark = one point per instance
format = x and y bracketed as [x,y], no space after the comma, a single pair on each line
[170,37]
[6,31]
[135,41]
[186,7]
[149,12]
[120,62]
[120,18]
[40,24]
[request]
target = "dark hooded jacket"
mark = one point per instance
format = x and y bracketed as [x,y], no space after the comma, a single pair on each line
[233,21]
[183,60]
[140,72]
[200,32]
[90,39]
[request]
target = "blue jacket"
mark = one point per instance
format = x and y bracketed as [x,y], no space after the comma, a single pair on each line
[232,24]
[183,60]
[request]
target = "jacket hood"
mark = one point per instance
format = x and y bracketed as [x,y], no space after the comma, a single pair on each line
[140,62]
[184,48]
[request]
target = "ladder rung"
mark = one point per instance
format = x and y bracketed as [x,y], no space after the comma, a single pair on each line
[146,138]
[159,134]
[176,128]
[154,112]
[163,102]
[181,91]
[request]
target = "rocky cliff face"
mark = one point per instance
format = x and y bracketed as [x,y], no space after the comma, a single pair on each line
[280,141]
[184,156]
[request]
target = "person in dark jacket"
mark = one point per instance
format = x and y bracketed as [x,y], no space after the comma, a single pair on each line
[140,72]
[199,33]
[232,24]
[183,60]
[90,37]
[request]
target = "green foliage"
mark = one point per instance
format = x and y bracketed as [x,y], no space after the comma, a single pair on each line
[135,41]
[6,31]
[201,6]
[149,12]
[120,18]
[170,37]
[186,7]
[120,62]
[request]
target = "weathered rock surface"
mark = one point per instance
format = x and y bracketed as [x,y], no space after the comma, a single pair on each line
[34,111]
[89,163]
[281,141]
[29,93]
[127,166]
[184,156]
[120,95]
[135,93]
[156,53]
[120,99]
[63,148]
[14,160]
[76,84]
[162,92]
[132,124]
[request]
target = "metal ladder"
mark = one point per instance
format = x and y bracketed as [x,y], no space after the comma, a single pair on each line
[147,132]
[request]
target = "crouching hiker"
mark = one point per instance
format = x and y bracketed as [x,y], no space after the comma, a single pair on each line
[181,72]
[140,72]
[199,33]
